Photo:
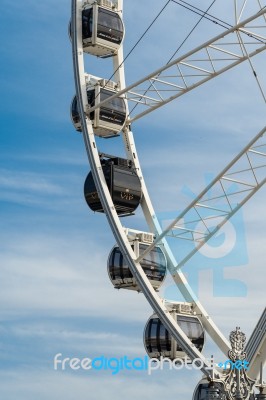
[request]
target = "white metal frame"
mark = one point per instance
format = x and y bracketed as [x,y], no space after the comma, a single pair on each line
[247,180]
[256,347]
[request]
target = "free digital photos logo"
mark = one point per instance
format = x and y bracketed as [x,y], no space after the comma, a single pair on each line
[149,365]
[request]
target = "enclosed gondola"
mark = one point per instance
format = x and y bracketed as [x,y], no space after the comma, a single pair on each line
[123,183]
[108,119]
[102,28]
[209,390]
[159,343]
[153,264]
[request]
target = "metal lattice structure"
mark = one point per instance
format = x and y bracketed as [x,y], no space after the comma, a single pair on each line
[206,62]
[221,199]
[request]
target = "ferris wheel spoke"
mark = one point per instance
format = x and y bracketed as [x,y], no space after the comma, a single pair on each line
[221,199]
[195,68]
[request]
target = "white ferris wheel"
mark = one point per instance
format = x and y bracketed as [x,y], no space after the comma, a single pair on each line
[105,107]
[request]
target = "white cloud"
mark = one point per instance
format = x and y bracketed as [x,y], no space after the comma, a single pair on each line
[27,181]
[66,157]
[43,189]
[63,274]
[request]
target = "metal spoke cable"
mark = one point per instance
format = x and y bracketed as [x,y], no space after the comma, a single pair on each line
[179,47]
[198,9]
[244,50]
[200,12]
[137,43]
[212,18]
[191,31]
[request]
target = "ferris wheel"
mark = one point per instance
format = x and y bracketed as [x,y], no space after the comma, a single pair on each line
[107,108]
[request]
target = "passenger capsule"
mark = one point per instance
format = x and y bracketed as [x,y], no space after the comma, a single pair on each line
[123,183]
[153,264]
[205,391]
[159,343]
[102,29]
[107,120]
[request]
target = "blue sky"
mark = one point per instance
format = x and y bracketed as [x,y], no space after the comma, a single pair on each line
[55,295]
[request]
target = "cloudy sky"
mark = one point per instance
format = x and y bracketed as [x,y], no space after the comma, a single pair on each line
[55,294]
